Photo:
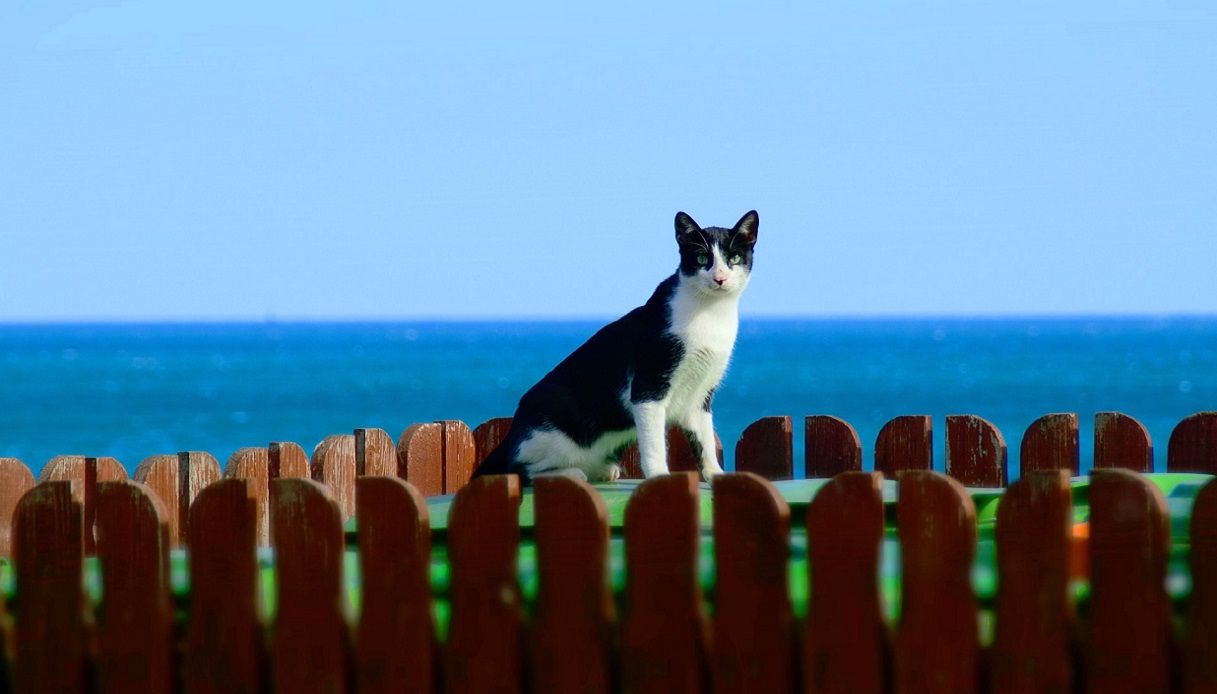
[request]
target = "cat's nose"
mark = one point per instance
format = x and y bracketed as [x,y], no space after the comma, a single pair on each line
[720,281]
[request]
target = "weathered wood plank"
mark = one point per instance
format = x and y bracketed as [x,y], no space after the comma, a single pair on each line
[420,457]
[333,465]
[904,443]
[1193,444]
[1121,442]
[375,453]
[830,446]
[766,449]
[176,480]
[460,454]
[1050,443]
[488,435]
[84,472]
[976,452]
[15,480]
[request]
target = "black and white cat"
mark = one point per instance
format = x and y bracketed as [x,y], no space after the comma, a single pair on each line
[656,366]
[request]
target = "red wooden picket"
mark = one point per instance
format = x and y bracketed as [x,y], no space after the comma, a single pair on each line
[937,642]
[259,466]
[176,480]
[484,649]
[680,455]
[395,645]
[420,457]
[310,642]
[845,642]
[976,452]
[904,443]
[765,448]
[375,453]
[1193,445]
[333,465]
[571,626]
[50,653]
[84,472]
[15,480]
[663,631]
[1034,618]
[1121,442]
[134,626]
[224,652]
[1129,614]
[488,435]
[460,454]
[1050,443]
[753,633]
[830,446]
[1200,642]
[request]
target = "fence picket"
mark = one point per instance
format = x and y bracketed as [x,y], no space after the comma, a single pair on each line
[333,465]
[224,652]
[375,454]
[310,642]
[134,627]
[84,472]
[904,443]
[15,480]
[1129,615]
[574,611]
[420,457]
[976,452]
[753,636]
[937,642]
[830,446]
[488,435]
[176,480]
[460,454]
[663,632]
[1034,617]
[1193,445]
[50,652]
[765,448]
[845,642]
[483,535]
[1200,642]
[1050,443]
[395,649]
[1121,442]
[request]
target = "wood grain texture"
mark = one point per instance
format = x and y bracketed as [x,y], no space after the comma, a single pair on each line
[50,638]
[1129,614]
[488,435]
[333,465]
[134,627]
[395,644]
[904,443]
[286,460]
[483,536]
[1034,617]
[845,642]
[375,453]
[420,457]
[681,457]
[310,643]
[830,446]
[1193,445]
[224,647]
[1050,443]
[766,449]
[663,632]
[1121,442]
[1200,641]
[460,454]
[937,643]
[252,465]
[753,633]
[176,480]
[15,480]
[976,452]
[84,472]
[570,643]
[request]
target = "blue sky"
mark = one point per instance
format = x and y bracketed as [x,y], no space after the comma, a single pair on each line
[240,160]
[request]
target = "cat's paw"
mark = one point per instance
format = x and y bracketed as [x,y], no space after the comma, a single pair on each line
[605,472]
[709,472]
[573,473]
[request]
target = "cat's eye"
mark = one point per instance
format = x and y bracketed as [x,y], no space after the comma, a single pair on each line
[702,259]
[735,259]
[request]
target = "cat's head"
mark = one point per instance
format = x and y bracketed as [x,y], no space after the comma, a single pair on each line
[714,260]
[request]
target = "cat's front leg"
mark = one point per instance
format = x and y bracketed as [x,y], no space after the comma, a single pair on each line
[650,421]
[699,429]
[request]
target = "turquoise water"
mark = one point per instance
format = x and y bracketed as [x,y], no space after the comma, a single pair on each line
[130,391]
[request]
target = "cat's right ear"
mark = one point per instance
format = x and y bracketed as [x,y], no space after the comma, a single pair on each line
[686,228]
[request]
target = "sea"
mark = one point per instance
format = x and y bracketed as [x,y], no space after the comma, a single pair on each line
[131,390]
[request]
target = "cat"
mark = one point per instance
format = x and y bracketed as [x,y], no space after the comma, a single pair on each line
[658,365]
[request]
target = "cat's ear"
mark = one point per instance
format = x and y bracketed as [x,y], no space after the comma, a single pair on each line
[747,227]
[686,228]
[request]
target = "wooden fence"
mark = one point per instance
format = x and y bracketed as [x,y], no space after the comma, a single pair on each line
[661,637]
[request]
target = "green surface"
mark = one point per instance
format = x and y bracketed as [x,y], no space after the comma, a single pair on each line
[1179,489]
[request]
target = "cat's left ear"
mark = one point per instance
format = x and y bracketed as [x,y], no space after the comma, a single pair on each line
[747,227]
[686,228]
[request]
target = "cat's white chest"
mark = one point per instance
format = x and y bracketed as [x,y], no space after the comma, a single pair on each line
[707,331]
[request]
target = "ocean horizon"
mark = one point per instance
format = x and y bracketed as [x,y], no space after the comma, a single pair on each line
[131,389]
